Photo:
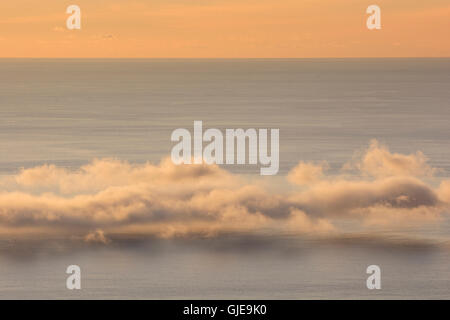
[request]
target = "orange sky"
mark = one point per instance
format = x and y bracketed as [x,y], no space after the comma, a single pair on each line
[225,28]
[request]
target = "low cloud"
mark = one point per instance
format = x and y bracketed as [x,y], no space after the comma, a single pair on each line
[160,199]
[98,236]
[378,161]
[165,200]
[307,173]
[344,198]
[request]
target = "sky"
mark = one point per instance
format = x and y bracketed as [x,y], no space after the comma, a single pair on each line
[224,29]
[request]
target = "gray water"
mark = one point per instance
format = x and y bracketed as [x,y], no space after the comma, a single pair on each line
[67,112]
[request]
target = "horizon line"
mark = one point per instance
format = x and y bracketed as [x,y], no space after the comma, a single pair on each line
[232,58]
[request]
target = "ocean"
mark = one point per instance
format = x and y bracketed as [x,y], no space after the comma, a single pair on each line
[67,112]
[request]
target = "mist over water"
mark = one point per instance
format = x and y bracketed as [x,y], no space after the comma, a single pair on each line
[232,267]
[67,112]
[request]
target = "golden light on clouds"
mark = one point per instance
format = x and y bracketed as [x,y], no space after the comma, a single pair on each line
[378,188]
[224,28]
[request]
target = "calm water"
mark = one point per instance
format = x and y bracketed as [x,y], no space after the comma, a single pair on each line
[67,112]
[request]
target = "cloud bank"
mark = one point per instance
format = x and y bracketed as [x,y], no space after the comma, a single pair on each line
[112,196]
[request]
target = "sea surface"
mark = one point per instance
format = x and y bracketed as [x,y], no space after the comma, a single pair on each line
[68,112]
